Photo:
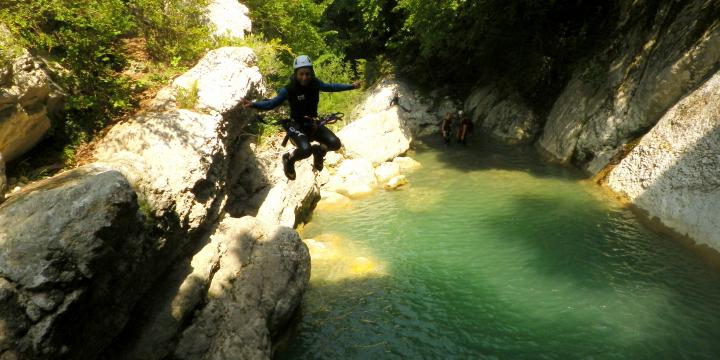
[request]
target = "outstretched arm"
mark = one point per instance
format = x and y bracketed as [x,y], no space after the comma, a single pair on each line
[338,87]
[267,104]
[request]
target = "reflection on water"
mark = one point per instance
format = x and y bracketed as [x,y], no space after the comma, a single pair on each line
[490,254]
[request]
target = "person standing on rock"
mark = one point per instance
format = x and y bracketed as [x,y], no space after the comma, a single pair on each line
[303,95]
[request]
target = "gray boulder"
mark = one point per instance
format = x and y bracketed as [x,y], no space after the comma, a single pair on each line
[392,98]
[502,114]
[378,137]
[512,121]
[74,259]
[674,172]
[262,275]
[180,160]
[624,89]
[222,77]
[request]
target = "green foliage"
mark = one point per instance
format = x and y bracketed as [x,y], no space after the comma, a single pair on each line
[530,44]
[174,29]
[302,27]
[84,38]
[187,98]
[269,54]
[331,66]
[295,23]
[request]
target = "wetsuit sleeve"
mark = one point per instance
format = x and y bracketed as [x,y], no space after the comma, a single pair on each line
[272,103]
[334,87]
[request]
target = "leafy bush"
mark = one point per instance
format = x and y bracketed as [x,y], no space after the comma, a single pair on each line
[84,38]
[174,29]
[187,98]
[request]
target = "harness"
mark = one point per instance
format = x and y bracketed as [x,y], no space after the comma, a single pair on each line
[313,124]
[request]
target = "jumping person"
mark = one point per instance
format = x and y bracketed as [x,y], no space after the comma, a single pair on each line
[303,95]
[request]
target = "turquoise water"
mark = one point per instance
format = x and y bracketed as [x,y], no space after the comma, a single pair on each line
[490,254]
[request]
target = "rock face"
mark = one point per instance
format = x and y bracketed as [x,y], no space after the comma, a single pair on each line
[263,273]
[377,137]
[27,96]
[502,114]
[674,172]
[222,77]
[658,55]
[229,18]
[74,259]
[179,160]
[417,115]
[192,168]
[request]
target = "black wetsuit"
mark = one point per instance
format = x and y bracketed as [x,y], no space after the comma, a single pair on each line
[301,128]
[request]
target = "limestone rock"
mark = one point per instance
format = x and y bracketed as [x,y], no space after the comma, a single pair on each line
[332,200]
[26,94]
[74,259]
[396,98]
[502,114]
[387,171]
[354,178]
[288,202]
[407,164]
[222,77]
[622,91]
[512,121]
[176,161]
[396,182]
[482,100]
[229,18]
[377,137]
[258,286]
[674,172]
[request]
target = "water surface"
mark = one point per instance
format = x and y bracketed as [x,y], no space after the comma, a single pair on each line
[491,254]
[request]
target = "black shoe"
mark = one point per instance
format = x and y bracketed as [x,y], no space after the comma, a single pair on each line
[318,159]
[288,167]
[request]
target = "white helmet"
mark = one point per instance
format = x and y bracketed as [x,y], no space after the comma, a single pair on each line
[301,61]
[460,112]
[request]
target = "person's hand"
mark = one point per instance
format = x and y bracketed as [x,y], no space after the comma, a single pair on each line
[246,103]
[356,84]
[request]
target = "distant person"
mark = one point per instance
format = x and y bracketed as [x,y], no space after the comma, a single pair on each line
[464,128]
[446,128]
[396,101]
[303,95]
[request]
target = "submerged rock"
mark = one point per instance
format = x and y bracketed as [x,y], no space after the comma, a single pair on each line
[332,200]
[387,171]
[396,182]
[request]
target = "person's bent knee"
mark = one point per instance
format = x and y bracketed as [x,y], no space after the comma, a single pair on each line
[334,144]
[302,151]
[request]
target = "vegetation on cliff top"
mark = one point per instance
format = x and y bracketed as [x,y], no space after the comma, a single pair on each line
[450,44]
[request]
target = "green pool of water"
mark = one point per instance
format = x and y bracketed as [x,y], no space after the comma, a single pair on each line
[489,253]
